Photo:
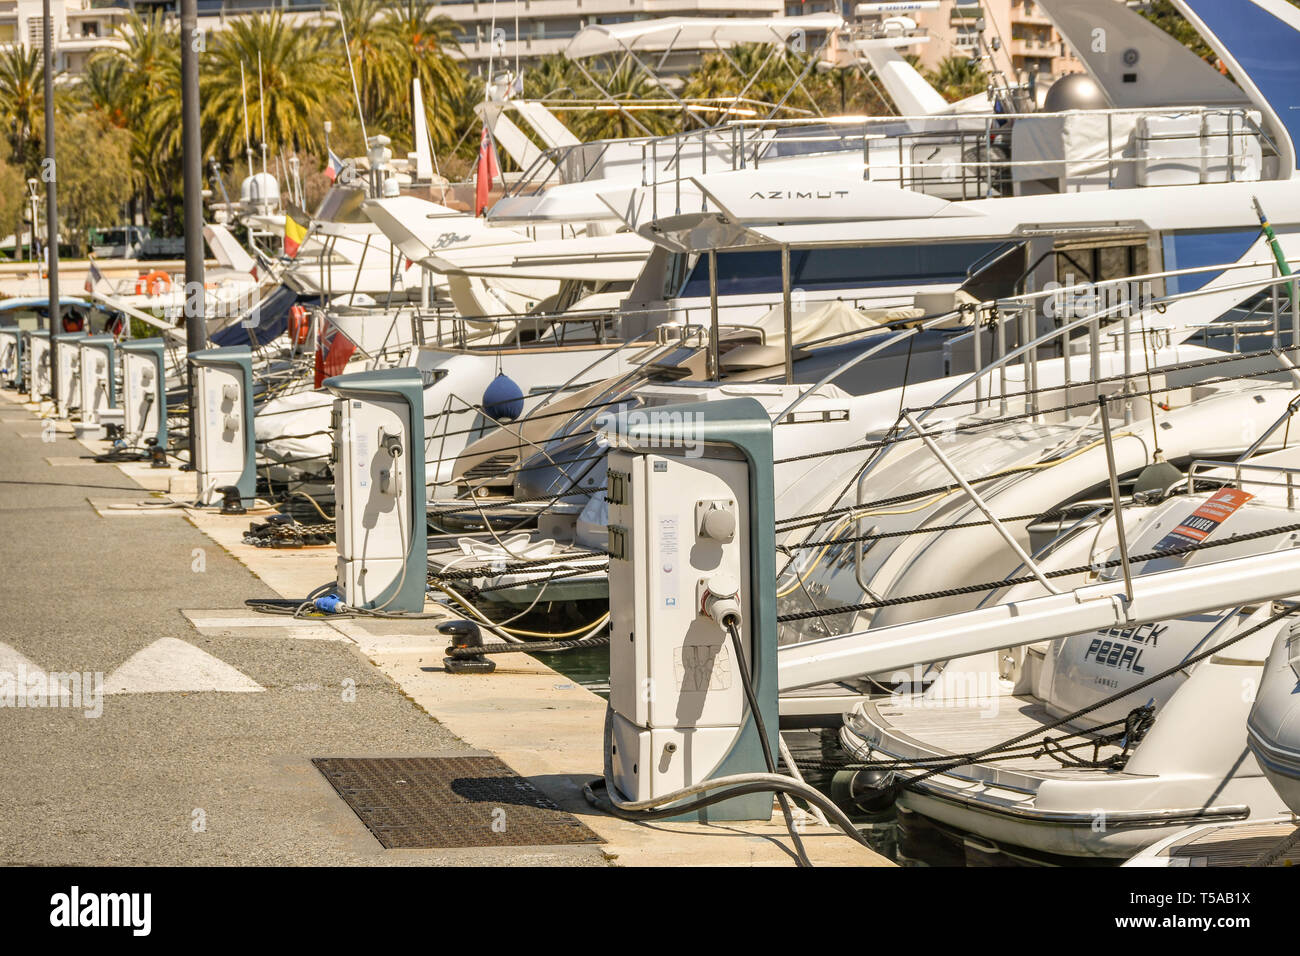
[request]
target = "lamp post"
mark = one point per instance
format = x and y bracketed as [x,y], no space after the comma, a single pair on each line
[49,174]
[196,333]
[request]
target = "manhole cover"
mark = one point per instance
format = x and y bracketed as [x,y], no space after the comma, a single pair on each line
[431,802]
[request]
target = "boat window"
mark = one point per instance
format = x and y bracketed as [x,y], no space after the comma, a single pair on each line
[1203,247]
[1101,260]
[675,272]
[759,272]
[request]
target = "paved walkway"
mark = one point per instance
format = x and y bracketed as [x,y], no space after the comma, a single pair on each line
[177,776]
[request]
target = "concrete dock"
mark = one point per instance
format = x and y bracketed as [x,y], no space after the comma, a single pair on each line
[213,713]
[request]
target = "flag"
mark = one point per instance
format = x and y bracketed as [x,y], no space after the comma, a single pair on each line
[334,167]
[486,172]
[296,227]
[332,353]
[93,277]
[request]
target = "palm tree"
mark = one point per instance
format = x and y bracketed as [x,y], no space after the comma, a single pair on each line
[752,72]
[22,104]
[374,58]
[957,77]
[105,88]
[138,87]
[625,85]
[295,67]
[552,77]
[423,41]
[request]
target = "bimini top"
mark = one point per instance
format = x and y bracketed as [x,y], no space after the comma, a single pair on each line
[693,33]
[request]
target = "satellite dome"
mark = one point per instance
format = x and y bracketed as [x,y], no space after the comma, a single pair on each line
[1076,91]
[260,189]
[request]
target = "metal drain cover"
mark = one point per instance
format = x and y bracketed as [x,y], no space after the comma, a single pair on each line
[433,802]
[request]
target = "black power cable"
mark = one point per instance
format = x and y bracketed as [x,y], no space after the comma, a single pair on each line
[751,698]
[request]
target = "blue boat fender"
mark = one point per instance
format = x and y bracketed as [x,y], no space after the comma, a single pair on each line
[503,399]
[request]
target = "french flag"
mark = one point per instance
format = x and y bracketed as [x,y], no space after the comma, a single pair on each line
[93,278]
[334,168]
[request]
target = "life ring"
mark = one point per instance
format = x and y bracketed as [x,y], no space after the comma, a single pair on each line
[299,325]
[152,283]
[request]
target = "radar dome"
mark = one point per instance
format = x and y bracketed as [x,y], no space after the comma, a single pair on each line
[1076,91]
[260,189]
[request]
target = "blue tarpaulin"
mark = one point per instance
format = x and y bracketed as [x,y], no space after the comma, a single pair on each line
[265,321]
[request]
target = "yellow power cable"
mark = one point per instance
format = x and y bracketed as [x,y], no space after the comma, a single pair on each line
[514,631]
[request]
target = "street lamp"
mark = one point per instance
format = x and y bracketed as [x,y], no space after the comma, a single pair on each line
[35,201]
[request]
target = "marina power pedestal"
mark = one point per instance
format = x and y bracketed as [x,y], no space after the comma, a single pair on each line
[38,365]
[380,499]
[691,547]
[67,353]
[11,356]
[225,452]
[98,382]
[144,392]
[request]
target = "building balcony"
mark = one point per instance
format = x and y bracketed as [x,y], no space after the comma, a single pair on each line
[1026,46]
[1026,11]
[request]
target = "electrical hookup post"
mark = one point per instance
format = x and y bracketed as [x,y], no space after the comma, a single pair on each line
[144,395]
[225,454]
[66,347]
[692,555]
[98,385]
[380,499]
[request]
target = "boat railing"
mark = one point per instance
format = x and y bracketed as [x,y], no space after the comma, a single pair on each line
[969,155]
[447,328]
[974,396]
[1114,323]
[1283,476]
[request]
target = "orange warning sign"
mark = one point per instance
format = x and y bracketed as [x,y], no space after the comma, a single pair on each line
[1202,522]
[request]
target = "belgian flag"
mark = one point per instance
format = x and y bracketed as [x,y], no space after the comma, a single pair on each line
[296,226]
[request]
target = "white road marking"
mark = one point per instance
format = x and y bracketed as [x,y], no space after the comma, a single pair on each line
[170,665]
[23,672]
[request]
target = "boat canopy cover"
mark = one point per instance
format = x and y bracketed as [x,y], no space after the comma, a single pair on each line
[265,321]
[822,320]
[693,33]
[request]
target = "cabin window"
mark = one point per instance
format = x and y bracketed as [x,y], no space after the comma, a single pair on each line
[759,271]
[1203,247]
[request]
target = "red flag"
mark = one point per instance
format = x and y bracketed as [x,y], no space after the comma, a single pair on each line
[486,172]
[332,354]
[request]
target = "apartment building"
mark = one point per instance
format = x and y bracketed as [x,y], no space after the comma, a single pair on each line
[1028,44]
[80,27]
